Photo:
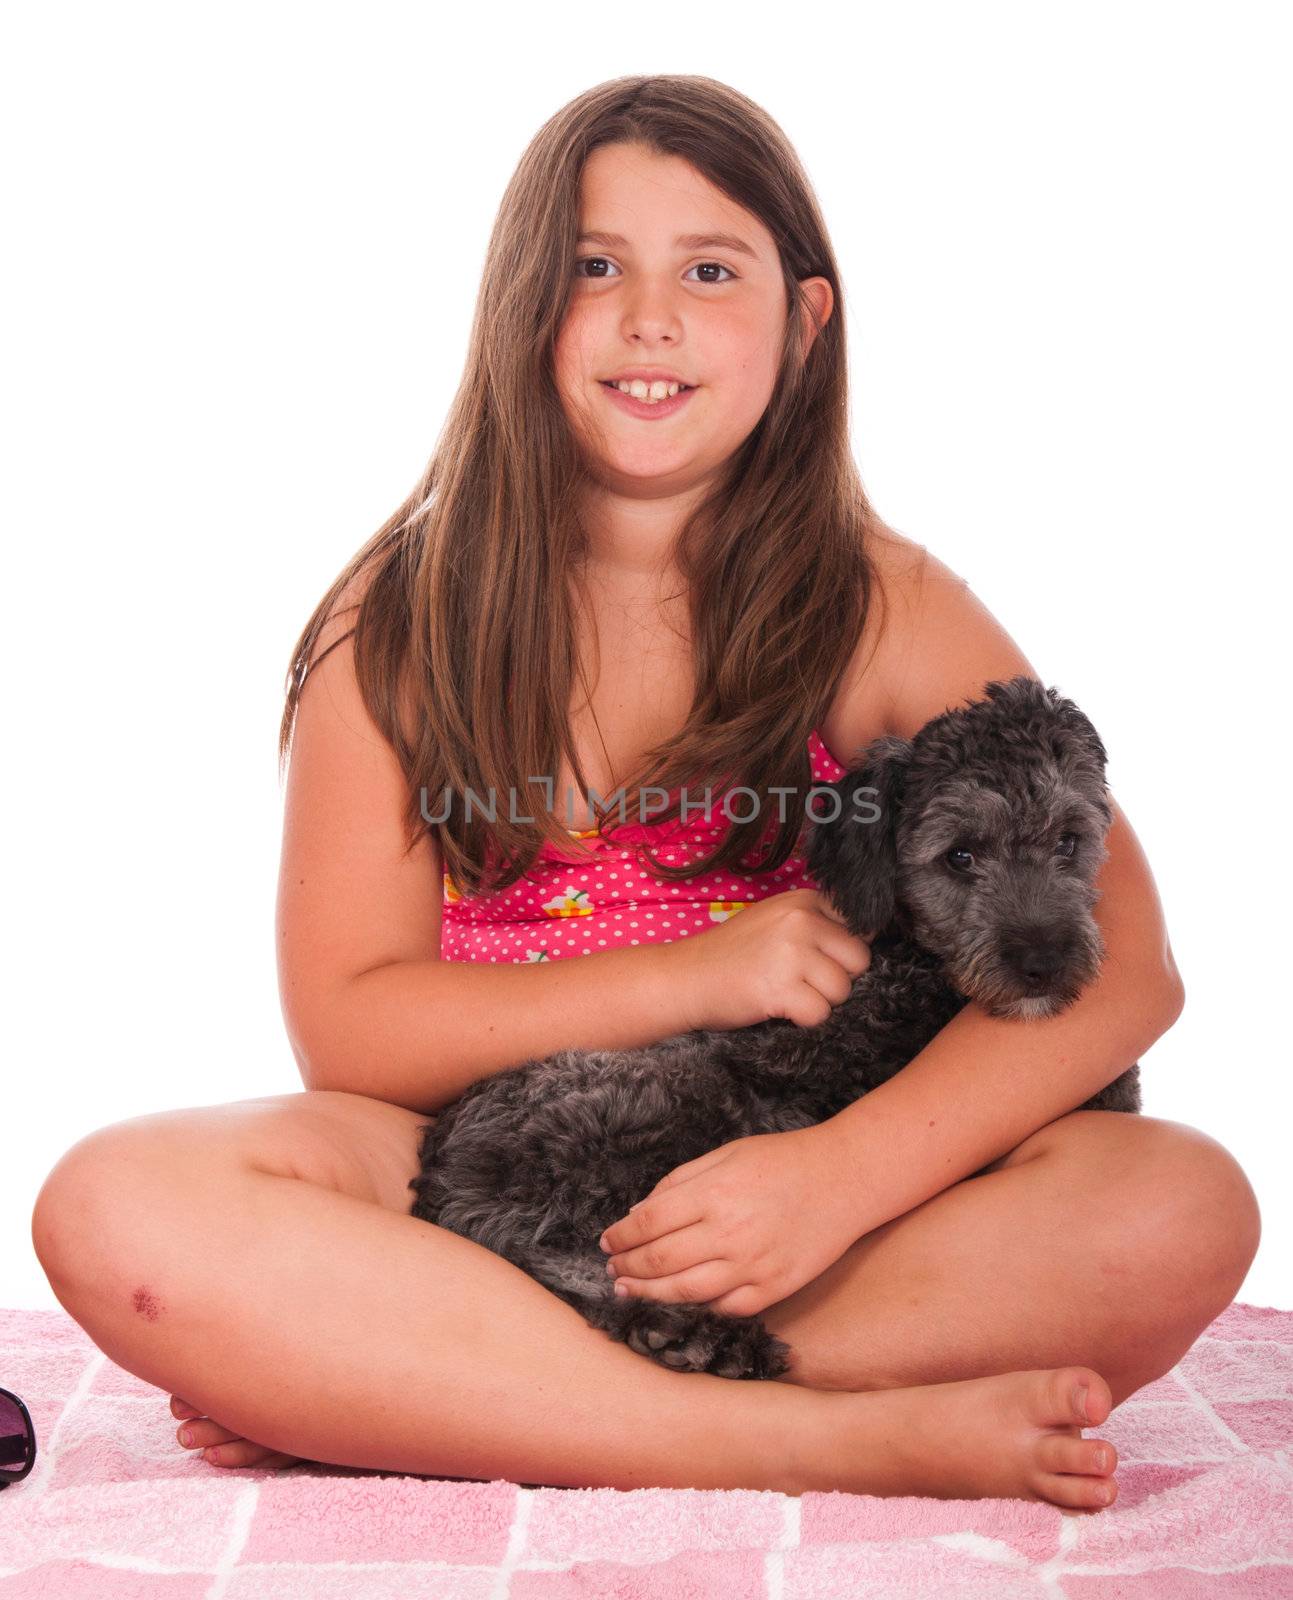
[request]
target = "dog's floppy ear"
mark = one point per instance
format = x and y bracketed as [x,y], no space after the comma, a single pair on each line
[1080,752]
[854,858]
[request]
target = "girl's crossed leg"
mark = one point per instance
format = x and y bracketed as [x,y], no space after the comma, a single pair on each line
[1103,1238]
[259,1260]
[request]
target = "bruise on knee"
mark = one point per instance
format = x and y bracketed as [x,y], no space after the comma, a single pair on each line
[146,1303]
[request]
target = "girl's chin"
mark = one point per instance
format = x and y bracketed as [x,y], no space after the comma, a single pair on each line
[663,471]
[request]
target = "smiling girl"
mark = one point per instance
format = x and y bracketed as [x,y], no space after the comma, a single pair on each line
[641,558]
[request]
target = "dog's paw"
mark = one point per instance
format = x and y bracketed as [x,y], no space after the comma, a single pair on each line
[691,1338]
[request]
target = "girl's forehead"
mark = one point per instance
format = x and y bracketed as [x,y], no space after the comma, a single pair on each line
[651,200]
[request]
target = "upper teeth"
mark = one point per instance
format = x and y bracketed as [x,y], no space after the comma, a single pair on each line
[651,392]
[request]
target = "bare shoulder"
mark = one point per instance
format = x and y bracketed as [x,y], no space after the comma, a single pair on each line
[338,624]
[929,643]
[859,712]
[332,663]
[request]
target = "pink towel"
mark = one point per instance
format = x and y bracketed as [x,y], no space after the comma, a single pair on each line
[115,1509]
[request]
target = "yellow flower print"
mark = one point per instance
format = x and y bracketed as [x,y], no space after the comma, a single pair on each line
[451,891]
[574,903]
[721,910]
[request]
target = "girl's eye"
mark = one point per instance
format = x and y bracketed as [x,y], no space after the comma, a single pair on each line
[606,262]
[717,264]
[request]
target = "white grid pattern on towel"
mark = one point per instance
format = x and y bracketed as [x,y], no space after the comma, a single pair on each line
[1214,1357]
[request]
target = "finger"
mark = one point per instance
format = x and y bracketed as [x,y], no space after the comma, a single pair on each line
[688,1169]
[831,981]
[823,903]
[668,1256]
[746,1301]
[840,921]
[658,1214]
[672,1252]
[699,1283]
[806,1006]
[851,951]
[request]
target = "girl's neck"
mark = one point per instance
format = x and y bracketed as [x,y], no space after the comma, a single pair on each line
[632,541]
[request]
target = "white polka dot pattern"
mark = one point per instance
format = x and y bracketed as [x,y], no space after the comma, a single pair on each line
[579,904]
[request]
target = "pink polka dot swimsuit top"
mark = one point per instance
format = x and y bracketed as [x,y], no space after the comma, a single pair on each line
[604,896]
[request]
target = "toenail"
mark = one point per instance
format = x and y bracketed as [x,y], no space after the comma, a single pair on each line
[212,1454]
[186,1435]
[610,1268]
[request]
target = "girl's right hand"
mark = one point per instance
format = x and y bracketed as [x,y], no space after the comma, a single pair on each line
[790,955]
[235,1451]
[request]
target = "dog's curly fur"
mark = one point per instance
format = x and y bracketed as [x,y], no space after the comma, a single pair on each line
[977,869]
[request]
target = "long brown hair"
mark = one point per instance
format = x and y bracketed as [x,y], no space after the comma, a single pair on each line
[465,647]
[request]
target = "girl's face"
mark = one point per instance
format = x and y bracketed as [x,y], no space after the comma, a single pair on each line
[655,286]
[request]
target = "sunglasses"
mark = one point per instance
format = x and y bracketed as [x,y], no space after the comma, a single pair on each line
[17,1440]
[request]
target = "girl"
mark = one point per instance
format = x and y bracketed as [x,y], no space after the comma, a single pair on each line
[990,1271]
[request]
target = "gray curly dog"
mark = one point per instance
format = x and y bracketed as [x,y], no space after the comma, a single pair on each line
[977,869]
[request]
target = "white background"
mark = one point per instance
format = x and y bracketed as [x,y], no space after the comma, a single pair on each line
[243,248]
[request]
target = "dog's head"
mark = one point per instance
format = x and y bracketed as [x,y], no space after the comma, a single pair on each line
[980,839]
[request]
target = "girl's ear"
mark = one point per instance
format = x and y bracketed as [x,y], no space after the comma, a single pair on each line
[854,858]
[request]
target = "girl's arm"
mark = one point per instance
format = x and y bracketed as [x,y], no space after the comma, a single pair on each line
[370,1007]
[420,1033]
[983,1084]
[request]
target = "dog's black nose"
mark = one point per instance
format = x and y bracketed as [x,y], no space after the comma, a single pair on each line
[1038,964]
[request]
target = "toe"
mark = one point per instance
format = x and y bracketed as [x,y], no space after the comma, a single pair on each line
[1077,1395]
[1079,1493]
[243,1453]
[203,1433]
[1059,1452]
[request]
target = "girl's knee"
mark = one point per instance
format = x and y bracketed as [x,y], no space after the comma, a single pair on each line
[1223,1198]
[1197,1161]
[1172,1192]
[1196,1197]
[111,1186]
[64,1217]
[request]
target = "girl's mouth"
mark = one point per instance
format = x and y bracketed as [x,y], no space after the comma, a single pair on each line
[645,408]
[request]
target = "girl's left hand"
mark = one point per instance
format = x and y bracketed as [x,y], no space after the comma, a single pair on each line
[742,1226]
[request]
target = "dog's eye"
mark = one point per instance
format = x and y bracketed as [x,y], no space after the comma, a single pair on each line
[958,859]
[1067,845]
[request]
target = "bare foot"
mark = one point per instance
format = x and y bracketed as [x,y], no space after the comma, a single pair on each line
[1015,1436]
[234,1450]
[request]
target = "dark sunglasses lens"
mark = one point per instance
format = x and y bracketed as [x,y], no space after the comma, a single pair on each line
[14,1437]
